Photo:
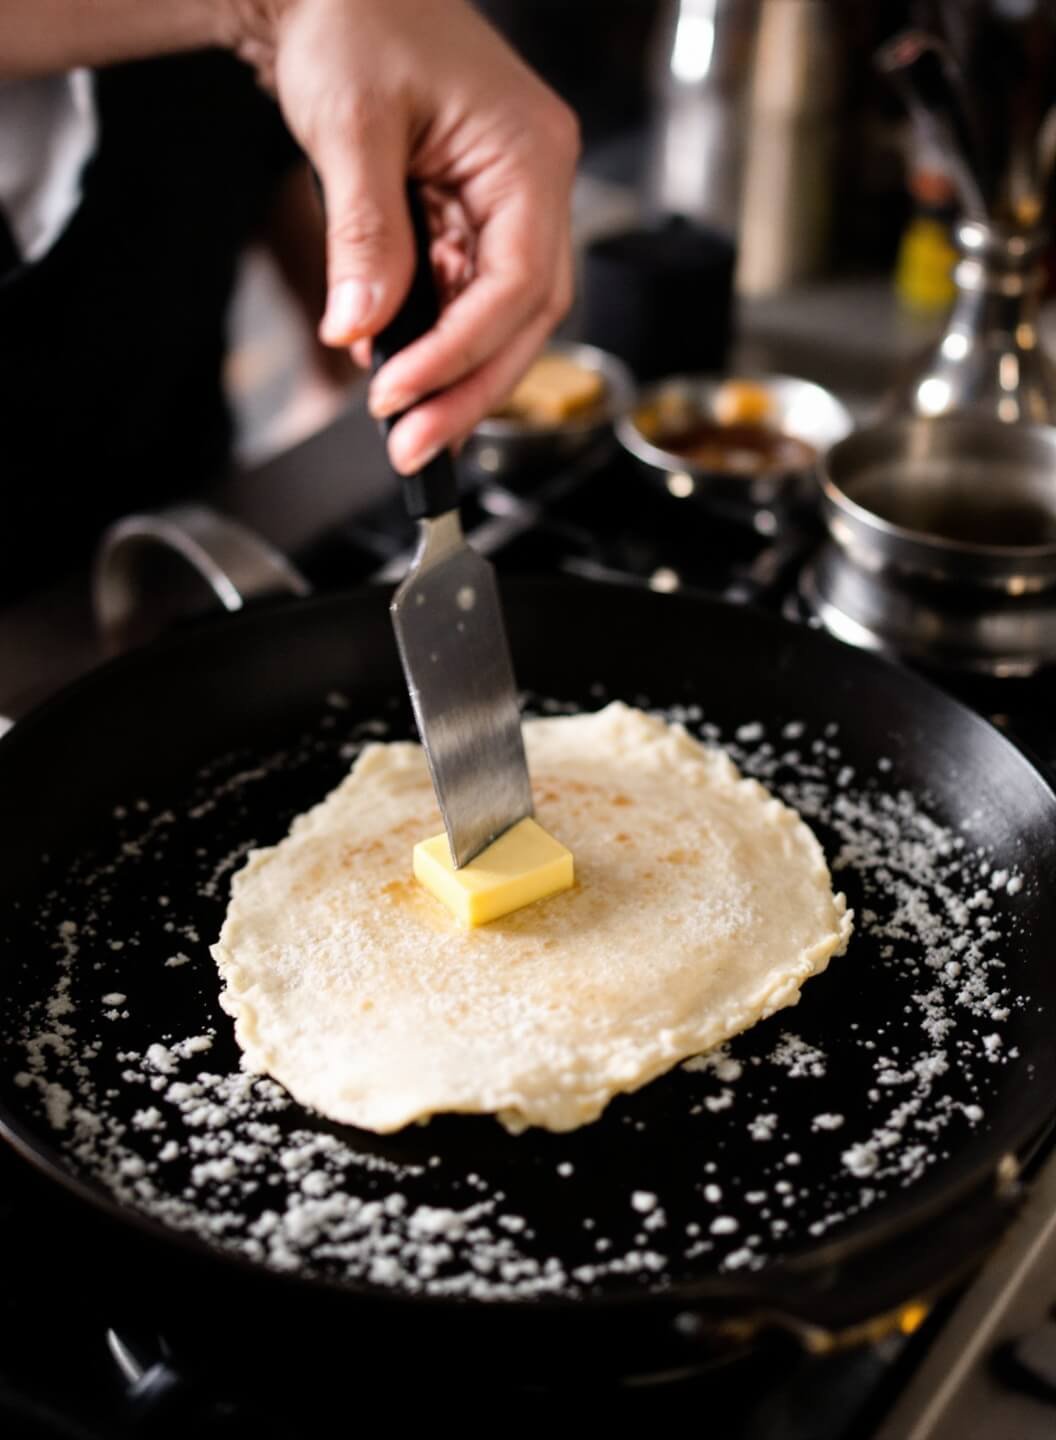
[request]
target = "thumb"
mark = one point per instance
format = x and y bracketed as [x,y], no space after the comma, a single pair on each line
[370,245]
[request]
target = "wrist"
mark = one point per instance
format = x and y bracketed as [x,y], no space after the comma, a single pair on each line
[252,22]
[250,28]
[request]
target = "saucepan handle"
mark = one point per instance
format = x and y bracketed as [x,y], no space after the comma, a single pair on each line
[166,564]
[434,490]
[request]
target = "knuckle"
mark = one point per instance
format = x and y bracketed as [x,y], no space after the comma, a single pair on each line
[560,126]
[524,278]
[459,342]
[521,283]
[360,227]
[359,112]
[461,354]
[332,120]
[467,356]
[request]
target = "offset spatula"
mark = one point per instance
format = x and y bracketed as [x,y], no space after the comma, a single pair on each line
[450,630]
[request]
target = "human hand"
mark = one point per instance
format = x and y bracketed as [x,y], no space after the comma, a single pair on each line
[379,90]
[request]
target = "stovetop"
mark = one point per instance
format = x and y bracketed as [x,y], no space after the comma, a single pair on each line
[600,519]
[596,519]
[73,1361]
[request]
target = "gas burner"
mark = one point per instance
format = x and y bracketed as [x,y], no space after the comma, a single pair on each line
[610,525]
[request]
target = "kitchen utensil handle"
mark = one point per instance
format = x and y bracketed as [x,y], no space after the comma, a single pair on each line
[434,490]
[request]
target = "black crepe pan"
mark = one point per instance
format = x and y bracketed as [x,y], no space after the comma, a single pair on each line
[163,725]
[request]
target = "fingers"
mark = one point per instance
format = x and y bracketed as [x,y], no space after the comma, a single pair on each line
[370,248]
[518,255]
[505,289]
[450,416]
[453,268]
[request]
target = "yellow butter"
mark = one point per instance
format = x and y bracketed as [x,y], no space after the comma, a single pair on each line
[554,389]
[523,865]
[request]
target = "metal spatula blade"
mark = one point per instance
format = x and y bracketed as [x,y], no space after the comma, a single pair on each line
[451,634]
[452,639]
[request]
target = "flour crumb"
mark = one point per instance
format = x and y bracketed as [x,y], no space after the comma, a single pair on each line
[763,1127]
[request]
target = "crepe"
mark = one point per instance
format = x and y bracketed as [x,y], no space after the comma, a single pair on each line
[701,905]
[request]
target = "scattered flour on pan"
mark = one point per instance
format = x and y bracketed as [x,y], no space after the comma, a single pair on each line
[823,1129]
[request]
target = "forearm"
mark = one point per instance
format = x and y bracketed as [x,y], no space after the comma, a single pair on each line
[40,37]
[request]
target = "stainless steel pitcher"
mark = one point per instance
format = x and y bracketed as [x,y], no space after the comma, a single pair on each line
[990,109]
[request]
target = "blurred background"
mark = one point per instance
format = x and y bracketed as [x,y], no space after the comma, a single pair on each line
[833,214]
[768,122]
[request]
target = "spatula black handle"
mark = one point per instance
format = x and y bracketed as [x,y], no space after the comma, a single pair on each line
[434,490]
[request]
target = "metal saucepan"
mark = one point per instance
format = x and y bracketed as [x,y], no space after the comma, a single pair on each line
[671,408]
[130,799]
[957,500]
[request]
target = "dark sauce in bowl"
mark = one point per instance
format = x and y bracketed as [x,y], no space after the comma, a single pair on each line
[740,449]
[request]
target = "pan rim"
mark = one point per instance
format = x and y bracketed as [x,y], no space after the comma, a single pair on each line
[46,1160]
[756,1289]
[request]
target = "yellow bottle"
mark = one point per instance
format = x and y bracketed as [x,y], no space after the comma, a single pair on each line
[926,254]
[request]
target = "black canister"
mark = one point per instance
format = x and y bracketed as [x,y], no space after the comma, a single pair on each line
[661,297]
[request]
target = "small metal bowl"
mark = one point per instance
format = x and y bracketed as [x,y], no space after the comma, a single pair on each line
[512,452]
[797,408]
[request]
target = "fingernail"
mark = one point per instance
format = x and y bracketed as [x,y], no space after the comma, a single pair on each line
[414,460]
[382,403]
[350,306]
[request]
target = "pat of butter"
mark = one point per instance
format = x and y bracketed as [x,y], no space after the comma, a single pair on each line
[523,865]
